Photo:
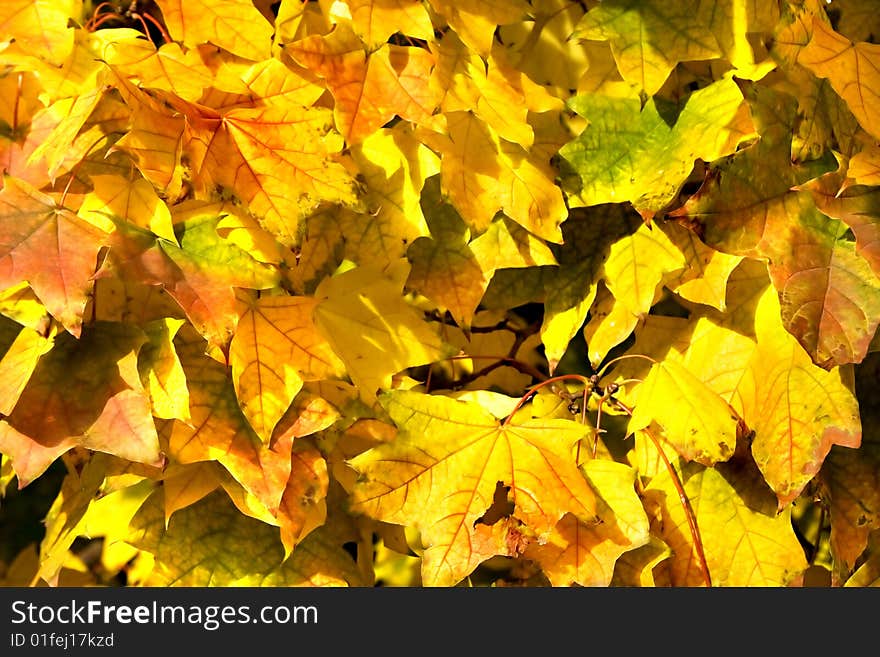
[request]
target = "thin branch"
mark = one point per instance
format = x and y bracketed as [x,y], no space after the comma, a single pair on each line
[533,389]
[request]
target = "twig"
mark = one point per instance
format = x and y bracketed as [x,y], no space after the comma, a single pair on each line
[682,496]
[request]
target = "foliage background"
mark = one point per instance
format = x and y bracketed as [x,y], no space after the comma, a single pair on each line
[405,292]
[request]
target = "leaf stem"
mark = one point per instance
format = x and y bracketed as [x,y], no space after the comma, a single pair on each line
[90,24]
[165,36]
[533,389]
[682,496]
[619,358]
[76,167]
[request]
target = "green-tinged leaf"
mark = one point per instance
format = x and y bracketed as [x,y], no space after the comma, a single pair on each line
[644,155]
[211,544]
[161,372]
[648,39]
[858,206]
[748,207]
[588,236]
[199,274]
[441,472]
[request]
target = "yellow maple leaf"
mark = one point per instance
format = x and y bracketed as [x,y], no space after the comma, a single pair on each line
[371,327]
[275,348]
[852,69]
[483,174]
[441,472]
[235,25]
[369,89]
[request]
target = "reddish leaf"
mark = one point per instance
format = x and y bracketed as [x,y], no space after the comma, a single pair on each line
[102,405]
[50,248]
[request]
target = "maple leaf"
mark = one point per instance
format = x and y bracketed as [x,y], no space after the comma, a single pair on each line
[737,524]
[495,91]
[850,477]
[369,90]
[135,201]
[219,431]
[393,166]
[65,517]
[571,290]
[828,293]
[373,329]
[304,502]
[50,248]
[695,419]
[92,504]
[649,39]
[74,114]
[705,279]
[541,48]
[851,68]
[199,274]
[475,20]
[585,554]
[18,363]
[856,206]
[633,273]
[376,20]
[482,174]
[186,484]
[105,407]
[160,370]
[211,544]
[454,271]
[627,153]
[795,409]
[235,25]
[279,158]
[868,574]
[39,28]
[442,487]
[275,348]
